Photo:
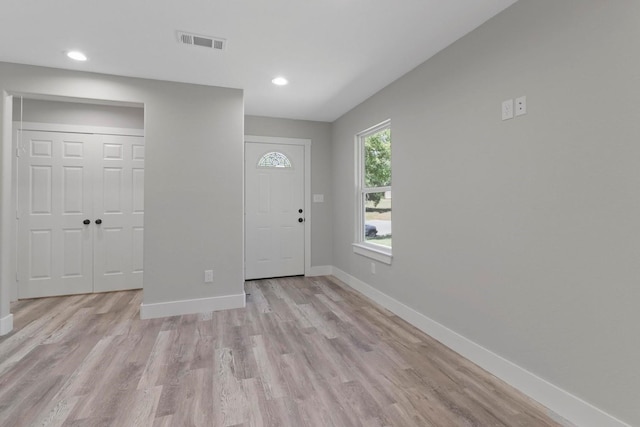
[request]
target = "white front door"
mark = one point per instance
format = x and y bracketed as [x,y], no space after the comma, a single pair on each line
[79,213]
[274,210]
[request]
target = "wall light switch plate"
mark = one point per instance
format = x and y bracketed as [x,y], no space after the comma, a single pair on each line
[208,276]
[507,109]
[318,198]
[521,106]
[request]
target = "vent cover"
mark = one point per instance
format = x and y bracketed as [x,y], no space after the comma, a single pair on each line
[208,42]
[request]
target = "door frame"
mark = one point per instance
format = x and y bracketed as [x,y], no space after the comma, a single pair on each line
[8,232]
[8,181]
[306,144]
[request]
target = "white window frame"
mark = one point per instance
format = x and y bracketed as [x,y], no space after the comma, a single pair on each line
[361,246]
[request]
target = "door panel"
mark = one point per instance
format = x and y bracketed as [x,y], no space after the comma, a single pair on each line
[72,246]
[118,239]
[72,188]
[54,197]
[112,239]
[40,190]
[274,192]
[137,191]
[288,242]
[112,190]
[41,254]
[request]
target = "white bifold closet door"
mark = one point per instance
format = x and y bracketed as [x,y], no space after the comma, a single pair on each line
[80,213]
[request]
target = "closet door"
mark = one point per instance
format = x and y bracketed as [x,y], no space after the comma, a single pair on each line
[118,213]
[55,215]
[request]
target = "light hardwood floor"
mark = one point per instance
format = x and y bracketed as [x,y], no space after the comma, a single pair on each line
[305,352]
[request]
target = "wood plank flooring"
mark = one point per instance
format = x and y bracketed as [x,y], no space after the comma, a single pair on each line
[305,352]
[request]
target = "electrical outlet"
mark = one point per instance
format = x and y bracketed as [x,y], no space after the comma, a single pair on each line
[507,109]
[521,106]
[208,276]
[373,268]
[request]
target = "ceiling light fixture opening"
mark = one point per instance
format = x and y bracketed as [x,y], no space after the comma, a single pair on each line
[77,55]
[280,81]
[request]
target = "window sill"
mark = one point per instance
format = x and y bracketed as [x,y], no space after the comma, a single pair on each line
[378,253]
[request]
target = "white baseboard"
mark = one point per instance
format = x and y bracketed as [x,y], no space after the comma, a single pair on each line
[563,403]
[6,324]
[191,306]
[320,270]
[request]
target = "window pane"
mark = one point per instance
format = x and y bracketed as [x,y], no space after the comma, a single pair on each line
[274,160]
[377,159]
[377,218]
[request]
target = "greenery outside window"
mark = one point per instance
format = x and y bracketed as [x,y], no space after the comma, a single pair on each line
[373,206]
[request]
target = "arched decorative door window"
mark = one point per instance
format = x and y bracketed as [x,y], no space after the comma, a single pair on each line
[274,159]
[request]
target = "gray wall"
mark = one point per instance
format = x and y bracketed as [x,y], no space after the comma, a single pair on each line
[521,235]
[74,113]
[320,135]
[193,176]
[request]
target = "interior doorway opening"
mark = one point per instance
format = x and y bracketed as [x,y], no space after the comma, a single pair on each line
[75,161]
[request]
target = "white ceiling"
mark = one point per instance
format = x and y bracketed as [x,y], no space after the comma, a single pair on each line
[335,53]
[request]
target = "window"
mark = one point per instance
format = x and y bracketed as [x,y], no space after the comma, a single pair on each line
[274,160]
[373,212]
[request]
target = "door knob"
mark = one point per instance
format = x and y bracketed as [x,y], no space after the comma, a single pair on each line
[299,210]
[86,222]
[98,221]
[300,220]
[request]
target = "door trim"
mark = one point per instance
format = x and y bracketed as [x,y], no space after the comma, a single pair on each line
[64,128]
[7,213]
[306,143]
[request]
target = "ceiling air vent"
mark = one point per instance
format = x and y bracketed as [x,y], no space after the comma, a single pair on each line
[208,42]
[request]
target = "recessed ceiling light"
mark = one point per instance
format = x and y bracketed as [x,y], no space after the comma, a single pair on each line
[280,81]
[77,55]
